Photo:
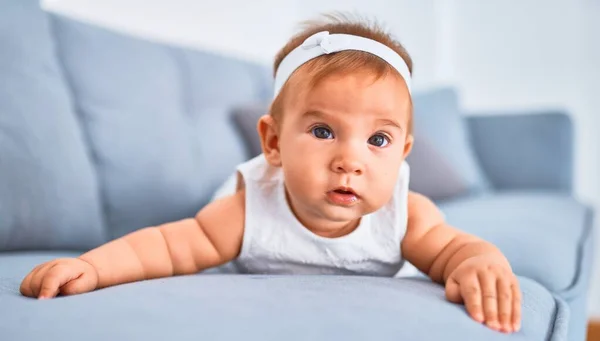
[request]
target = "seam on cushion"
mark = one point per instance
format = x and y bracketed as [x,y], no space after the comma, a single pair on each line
[583,256]
[558,331]
[186,100]
[185,84]
[92,157]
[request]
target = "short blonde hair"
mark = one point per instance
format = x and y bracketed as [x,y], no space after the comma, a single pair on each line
[344,61]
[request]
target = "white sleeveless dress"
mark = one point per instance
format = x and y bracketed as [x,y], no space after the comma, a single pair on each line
[275,242]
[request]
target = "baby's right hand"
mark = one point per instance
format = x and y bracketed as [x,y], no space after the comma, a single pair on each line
[67,276]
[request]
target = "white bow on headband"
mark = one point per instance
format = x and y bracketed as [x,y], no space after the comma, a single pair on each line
[324,43]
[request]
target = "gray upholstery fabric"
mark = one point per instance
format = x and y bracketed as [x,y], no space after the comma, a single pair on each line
[156,119]
[246,307]
[525,150]
[49,195]
[431,174]
[438,118]
[246,119]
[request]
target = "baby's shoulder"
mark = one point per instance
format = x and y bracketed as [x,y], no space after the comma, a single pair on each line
[222,220]
[259,170]
[224,208]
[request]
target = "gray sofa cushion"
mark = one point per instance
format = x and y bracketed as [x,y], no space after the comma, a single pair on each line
[432,174]
[246,120]
[542,234]
[156,118]
[247,307]
[49,194]
[438,119]
[525,150]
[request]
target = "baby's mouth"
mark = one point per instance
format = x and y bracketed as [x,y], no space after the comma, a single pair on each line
[343,196]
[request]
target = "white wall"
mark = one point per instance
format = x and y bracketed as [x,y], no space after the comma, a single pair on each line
[253,29]
[500,53]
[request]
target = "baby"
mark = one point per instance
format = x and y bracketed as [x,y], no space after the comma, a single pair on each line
[328,195]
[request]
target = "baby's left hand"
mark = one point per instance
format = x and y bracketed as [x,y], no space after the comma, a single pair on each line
[489,290]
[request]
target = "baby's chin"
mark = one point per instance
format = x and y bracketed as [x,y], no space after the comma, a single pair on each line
[340,214]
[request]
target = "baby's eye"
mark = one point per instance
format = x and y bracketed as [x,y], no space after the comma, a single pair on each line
[322,133]
[379,140]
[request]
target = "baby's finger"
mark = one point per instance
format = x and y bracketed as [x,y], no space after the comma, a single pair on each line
[505,304]
[489,295]
[25,287]
[471,293]
[53,280]
[516,303]
[453,291]
[38,276]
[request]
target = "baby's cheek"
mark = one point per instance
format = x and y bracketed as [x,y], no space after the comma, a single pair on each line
[299,180]
[383,192]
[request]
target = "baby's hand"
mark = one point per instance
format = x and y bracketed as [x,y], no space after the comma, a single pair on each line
[67,276]
[489,290]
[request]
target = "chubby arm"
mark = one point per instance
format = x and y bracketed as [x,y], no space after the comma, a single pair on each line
[211,238]
[474,271]
[435,247]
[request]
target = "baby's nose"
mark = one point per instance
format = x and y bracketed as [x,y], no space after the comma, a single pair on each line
[348,165]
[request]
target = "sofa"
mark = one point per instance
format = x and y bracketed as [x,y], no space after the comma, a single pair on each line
[102,133]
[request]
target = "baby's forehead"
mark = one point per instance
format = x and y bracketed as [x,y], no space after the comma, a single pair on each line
[357,87]
[311,78]
[349,100]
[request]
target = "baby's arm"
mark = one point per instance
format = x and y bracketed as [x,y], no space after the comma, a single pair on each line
[474,271]
[213,237]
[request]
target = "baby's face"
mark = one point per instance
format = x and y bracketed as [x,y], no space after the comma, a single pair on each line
[341,146]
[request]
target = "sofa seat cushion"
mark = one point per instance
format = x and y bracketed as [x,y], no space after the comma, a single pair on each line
[542,234]
[249,307]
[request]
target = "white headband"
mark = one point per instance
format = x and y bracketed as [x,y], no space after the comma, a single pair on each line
[324,43]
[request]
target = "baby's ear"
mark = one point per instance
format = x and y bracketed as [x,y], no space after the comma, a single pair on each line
[269,139]
[408,145]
